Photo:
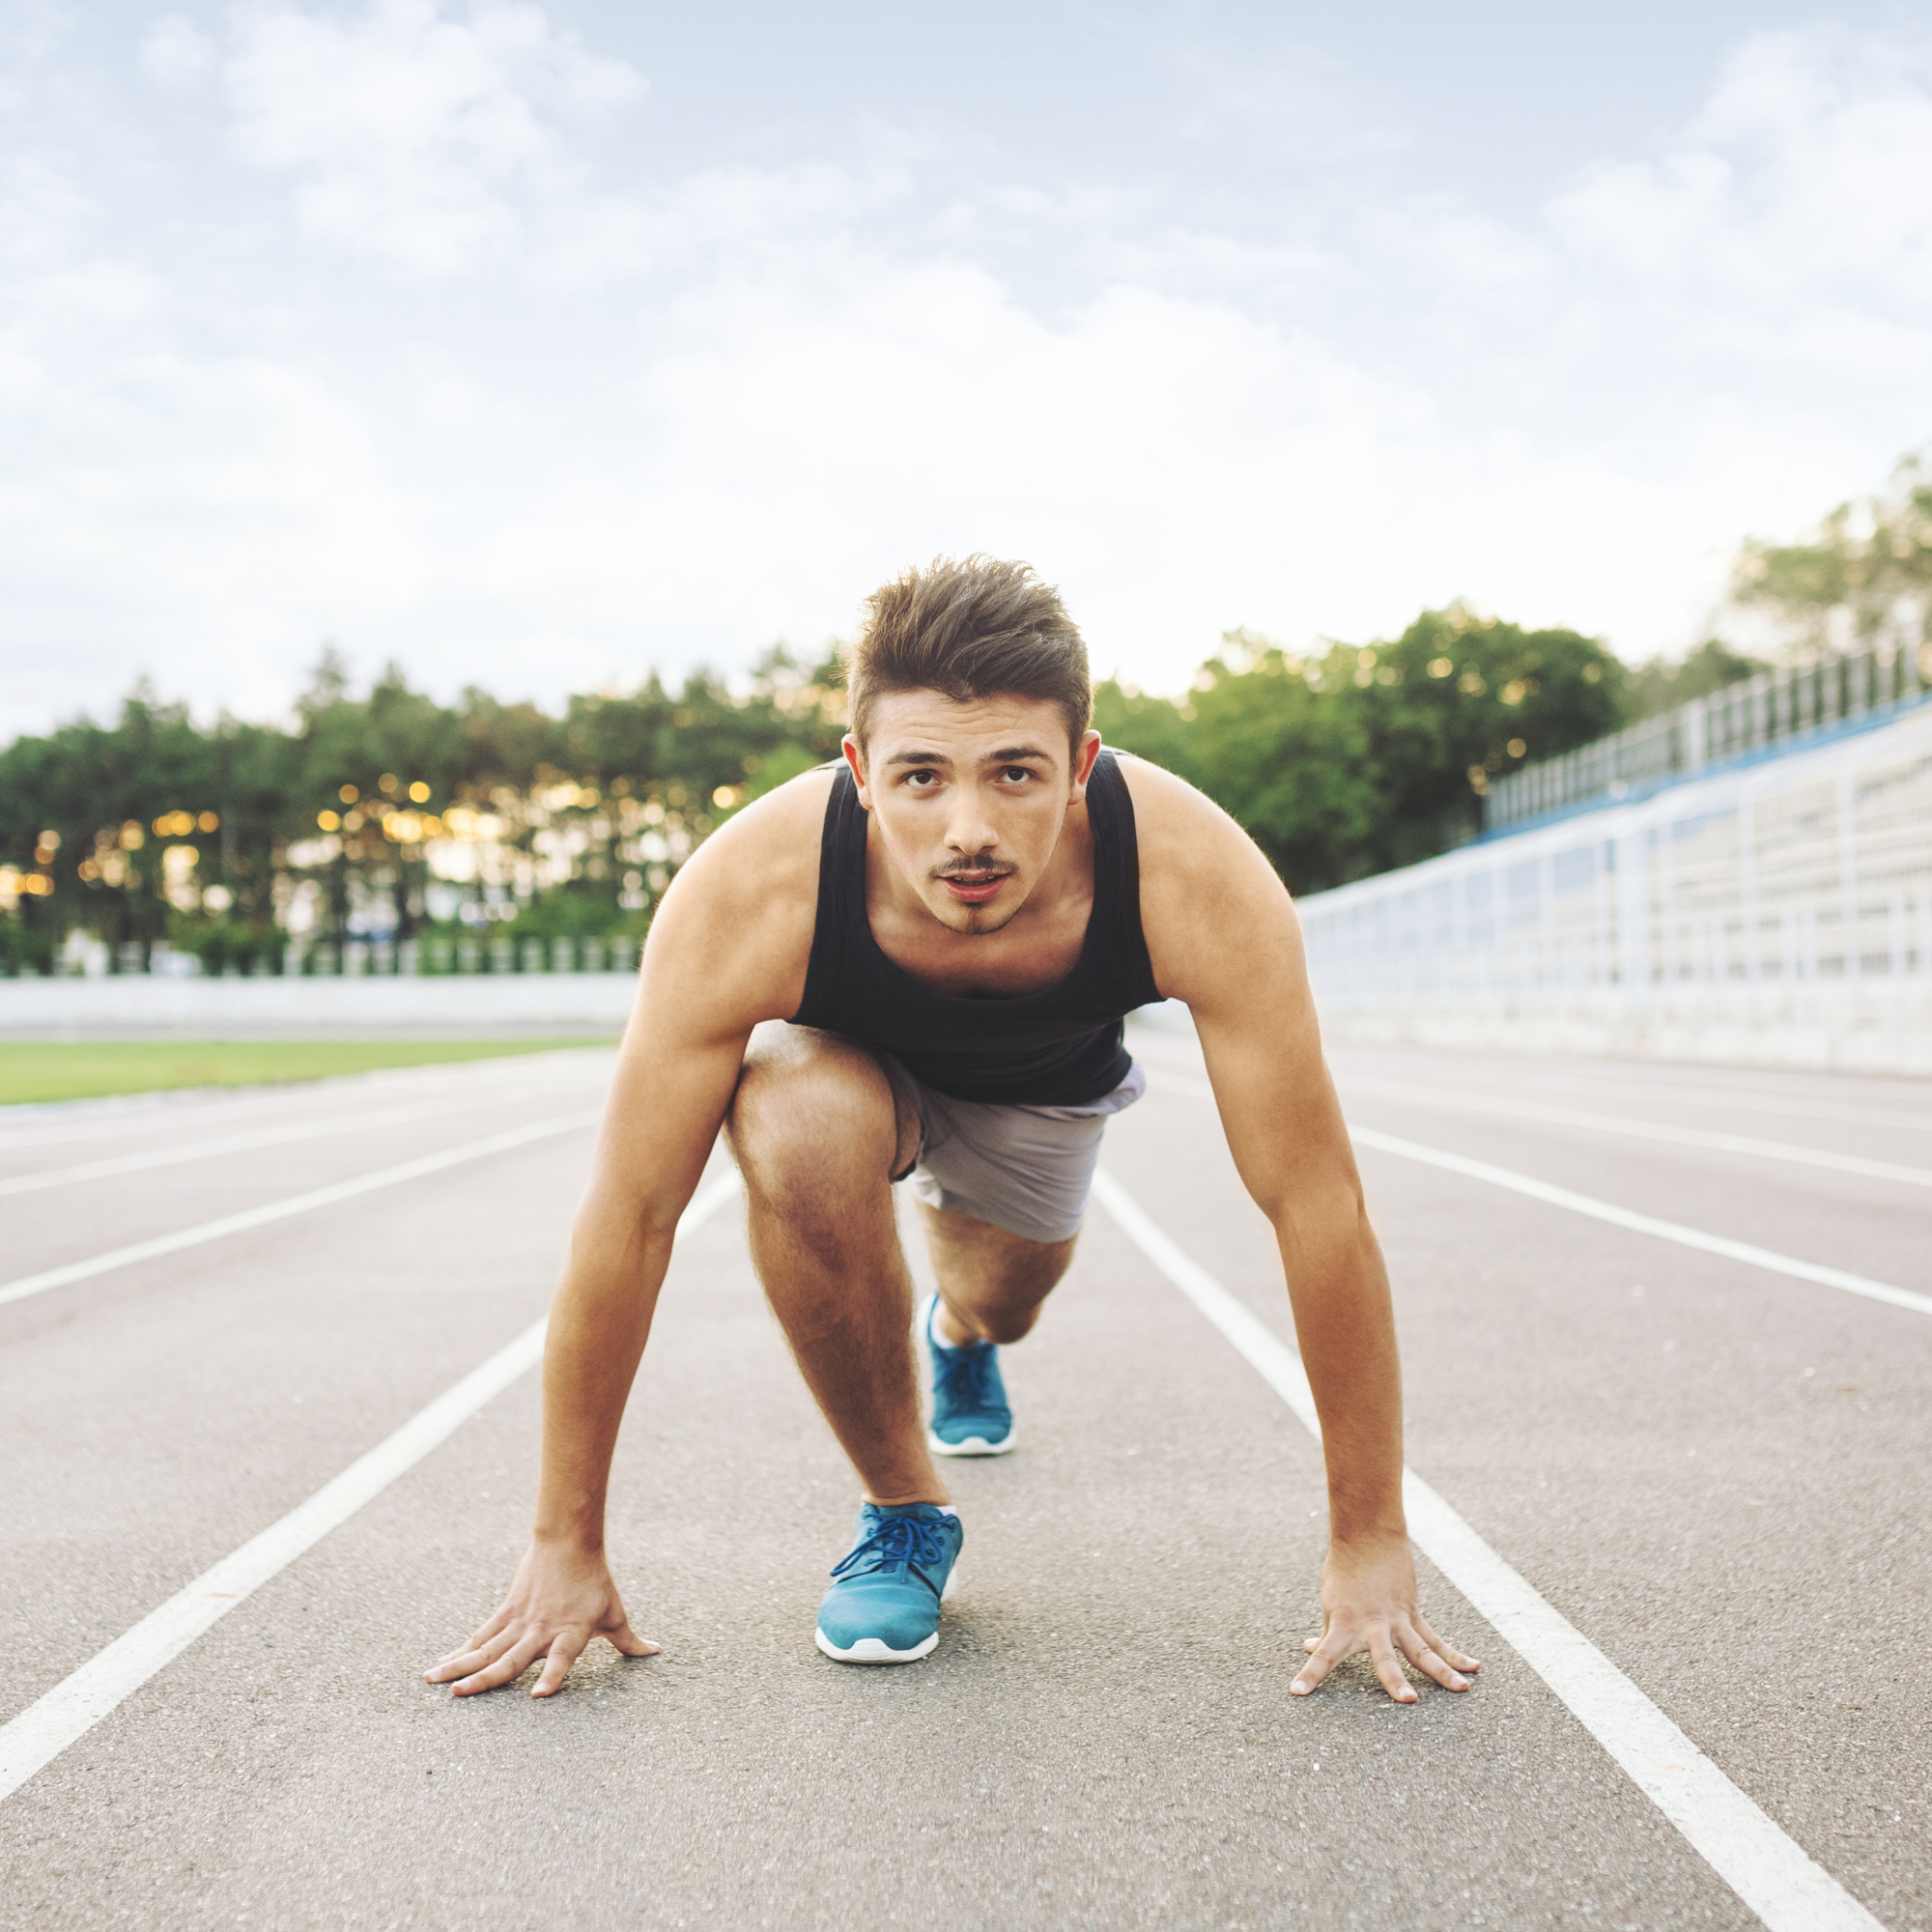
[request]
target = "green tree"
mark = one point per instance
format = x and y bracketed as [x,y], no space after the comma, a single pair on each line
[1866,567]
[1455,699]
[1659,684]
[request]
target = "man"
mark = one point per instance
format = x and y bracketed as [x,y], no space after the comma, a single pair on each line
[916,963]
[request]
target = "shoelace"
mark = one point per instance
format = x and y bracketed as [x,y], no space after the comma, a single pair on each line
[898,1539]
[966,1380]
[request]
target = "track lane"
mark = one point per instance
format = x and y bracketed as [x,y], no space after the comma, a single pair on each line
[128,1211]
[28,1132]
[1705,1468]
[1106,1739]
[1110,1739]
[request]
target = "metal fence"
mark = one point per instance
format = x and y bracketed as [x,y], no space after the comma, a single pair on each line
[83,957]
[1795,893]
[1794,704]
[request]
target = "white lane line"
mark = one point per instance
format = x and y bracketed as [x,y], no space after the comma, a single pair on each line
[1453,1101]
[77,1703]
[247,1143]
[1607,1210]
[1169,1050]
[1772,1873]
[295,1204]
[1645,1224]
[1745,1102]
[57,1122]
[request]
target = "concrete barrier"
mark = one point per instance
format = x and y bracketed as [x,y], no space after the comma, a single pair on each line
[136,1006]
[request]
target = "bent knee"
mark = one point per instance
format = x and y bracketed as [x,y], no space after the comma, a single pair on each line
[807,1105]
[1007,1325]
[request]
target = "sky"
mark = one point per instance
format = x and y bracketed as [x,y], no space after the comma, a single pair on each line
[537,346]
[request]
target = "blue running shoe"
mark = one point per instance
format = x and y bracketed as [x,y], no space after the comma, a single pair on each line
[883,1606]
[971,1415]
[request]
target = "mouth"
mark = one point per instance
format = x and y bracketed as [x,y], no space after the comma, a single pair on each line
[974,887]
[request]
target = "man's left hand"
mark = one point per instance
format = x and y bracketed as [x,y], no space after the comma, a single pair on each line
[1368,1603]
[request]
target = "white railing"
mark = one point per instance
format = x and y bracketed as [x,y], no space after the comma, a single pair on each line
[1793,704]
[1793,895]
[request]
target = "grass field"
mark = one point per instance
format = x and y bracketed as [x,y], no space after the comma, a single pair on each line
[85,1069]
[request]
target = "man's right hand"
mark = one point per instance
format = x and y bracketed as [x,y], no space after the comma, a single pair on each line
[559,1600]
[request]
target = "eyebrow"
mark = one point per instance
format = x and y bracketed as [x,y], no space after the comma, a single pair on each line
[1007,755]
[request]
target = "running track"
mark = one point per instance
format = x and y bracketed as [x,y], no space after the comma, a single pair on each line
[1710,1473]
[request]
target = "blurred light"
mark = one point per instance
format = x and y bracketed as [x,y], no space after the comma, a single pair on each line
[1440,667]
[50,839]
[329,821]
[88,870]
[1514,691]
[217,898]
[208,821]
[349,794]
[1516,747]
[132,837]
[37,883]
[419,792]
[724,798]
[388,783]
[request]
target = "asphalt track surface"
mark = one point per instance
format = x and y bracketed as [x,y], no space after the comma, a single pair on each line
[1716,1473]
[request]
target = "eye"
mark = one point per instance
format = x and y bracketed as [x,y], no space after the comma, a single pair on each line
[1018,772]
[922,781]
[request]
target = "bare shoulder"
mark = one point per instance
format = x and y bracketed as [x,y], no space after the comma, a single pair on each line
[734,931]
[1209,900]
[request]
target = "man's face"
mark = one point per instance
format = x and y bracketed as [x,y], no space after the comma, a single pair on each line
[970,798]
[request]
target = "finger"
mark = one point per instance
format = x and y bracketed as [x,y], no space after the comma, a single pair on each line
[452,1663]
[500,1622]
[506,1669]
[1430,1663]
[563,1652]
[1324,1657]
[1310,1643]
[465,1662]
[1388,1668]
[1447,1650]
[627,1641]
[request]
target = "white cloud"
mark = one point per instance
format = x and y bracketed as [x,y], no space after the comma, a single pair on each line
[415,136]
[655,420]
[176,52]
[1801,194]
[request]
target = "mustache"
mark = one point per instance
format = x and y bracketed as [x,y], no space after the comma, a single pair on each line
[985,868]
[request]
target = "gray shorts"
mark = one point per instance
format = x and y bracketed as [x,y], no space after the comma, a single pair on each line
[1025,1169]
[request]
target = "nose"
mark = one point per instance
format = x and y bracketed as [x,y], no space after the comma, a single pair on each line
[967,828]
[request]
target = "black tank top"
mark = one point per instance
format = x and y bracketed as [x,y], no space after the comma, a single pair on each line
[1059,1047]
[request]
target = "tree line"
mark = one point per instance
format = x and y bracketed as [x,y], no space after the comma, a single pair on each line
[382,813]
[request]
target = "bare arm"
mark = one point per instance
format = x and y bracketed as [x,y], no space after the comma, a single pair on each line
[727,950]
[1224,938]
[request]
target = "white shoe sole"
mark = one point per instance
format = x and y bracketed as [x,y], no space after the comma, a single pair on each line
[974,1445]
[872,1650]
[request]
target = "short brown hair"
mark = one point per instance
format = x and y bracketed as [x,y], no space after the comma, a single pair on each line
[968,627]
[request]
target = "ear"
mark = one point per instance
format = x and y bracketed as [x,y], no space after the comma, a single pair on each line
[854,761]
[1083,764]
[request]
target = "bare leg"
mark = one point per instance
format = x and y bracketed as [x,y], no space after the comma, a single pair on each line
[991,1283]
[819,1136]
